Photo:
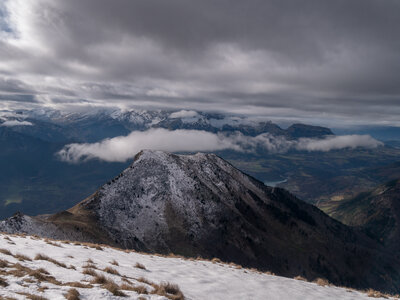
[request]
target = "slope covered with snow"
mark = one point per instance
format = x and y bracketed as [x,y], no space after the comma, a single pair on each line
[23,275]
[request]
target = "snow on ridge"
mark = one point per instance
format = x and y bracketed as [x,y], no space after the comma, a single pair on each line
[197,279]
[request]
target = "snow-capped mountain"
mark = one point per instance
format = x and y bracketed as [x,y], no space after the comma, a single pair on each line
[200,205]
[32,267]
[97,124]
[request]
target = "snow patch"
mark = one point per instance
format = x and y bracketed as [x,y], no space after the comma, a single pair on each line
[197,279]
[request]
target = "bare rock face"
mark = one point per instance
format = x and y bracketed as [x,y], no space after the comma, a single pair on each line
[200,205]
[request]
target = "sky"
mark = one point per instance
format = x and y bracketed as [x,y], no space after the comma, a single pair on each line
[318,61]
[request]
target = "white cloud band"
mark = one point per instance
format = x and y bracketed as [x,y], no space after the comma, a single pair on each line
[122,148]
[11,123]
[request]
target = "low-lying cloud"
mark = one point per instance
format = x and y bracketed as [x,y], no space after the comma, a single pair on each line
[183,114]
[338,142]
[11,123]
[123,148]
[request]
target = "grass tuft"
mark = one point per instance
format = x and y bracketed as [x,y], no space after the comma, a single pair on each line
[301,278]
[22,257]
[3,282]
[140,289]
[140,266]
[111,271]
[321,282]
[5,252]
[78,285]
[168,290]
[114,262]
[99,279]
[3,263]
[375,294]
[88,271]
[72,294]
[114,289]
[45,257]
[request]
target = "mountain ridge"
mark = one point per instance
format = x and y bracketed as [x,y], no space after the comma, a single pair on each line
[200,205]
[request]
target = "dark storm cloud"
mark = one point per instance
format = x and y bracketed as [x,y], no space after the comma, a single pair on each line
[285,58]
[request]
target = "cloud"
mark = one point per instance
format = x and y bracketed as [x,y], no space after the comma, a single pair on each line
[312,60]
[11,123]
[338,142]
[125,147]
[120,149]
[183,114]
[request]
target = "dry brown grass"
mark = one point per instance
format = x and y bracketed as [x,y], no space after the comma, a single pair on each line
[90,261]
[45,257]
[216,260]
[39,276]
[72,294]
[140,289]
[5,252]
[114,289]
[94,246]
[32,296]
[4,263]
[52,243]
[111,271]
[114,262]
[89,266]
[126,279]
[90,272]
[168,290]
[301,278]
[99,279]
[78,285]
[43,271]
[144,280]
[376,294]
[19,269]
[140,266]
[16,273]
[321,282]
[22,257]
[3,282]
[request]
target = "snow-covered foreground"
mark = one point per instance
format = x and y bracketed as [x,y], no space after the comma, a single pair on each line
[197,279]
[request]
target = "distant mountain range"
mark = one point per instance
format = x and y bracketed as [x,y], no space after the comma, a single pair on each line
[56,126]
[36,181]
[201,205]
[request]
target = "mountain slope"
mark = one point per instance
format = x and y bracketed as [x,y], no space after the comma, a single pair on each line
[377,211]
[196,279]
[200,205]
